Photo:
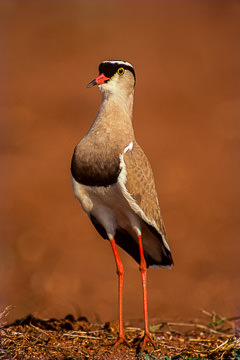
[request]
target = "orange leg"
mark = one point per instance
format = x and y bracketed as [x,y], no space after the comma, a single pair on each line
[143,269]
[121,338]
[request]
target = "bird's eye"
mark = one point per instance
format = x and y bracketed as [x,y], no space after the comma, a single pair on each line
[120,71]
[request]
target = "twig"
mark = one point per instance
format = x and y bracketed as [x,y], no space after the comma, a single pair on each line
[129,328]
[4,314]
[84,336]
[229,320]
[198,326]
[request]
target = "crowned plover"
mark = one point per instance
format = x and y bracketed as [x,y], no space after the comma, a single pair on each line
[114,183]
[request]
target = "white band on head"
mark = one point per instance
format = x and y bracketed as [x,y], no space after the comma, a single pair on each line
[118,62]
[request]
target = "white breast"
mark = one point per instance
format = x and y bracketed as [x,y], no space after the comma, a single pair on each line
[109,207]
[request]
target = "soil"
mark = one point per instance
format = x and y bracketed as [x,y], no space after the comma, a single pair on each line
[69,338]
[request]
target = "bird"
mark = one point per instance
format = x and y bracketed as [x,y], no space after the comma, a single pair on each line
[113,181]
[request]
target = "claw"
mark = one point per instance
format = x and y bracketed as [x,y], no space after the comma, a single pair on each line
[143,342]
[120,340]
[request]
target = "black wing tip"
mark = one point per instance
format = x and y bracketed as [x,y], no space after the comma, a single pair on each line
[166,261]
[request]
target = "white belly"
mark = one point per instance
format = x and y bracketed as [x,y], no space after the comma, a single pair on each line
[109,207]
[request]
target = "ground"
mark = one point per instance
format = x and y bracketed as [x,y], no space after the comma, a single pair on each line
[186,119]
[78,339]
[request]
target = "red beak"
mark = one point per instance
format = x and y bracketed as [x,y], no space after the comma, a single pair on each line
[101,79]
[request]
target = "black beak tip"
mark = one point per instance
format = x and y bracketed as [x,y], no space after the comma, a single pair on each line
[92,83]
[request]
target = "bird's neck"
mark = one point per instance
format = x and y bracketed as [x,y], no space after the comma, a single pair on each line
[116,109]
[114,118]
[121,100]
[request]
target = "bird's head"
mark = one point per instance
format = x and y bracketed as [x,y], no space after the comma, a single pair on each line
[115,76]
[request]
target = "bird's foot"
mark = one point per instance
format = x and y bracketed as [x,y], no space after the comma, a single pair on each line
[120,340]
[144,341]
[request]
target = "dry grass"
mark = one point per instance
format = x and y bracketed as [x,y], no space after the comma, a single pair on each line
[68,338]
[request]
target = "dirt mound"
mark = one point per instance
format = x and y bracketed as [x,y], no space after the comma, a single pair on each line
[70,338]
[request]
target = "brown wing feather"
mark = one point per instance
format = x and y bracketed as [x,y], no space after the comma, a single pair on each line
[140,185]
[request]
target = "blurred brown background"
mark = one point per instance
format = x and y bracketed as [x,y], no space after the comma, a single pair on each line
[186,117]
